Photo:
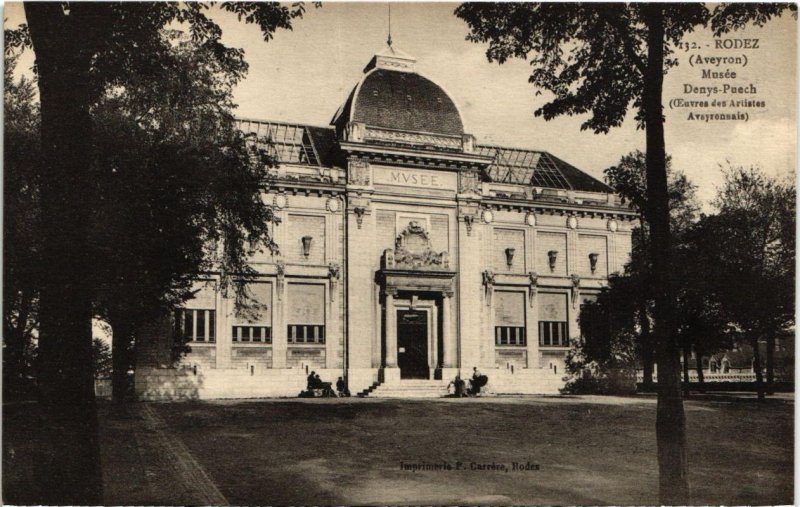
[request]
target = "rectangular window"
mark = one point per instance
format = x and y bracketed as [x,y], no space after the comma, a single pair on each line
[509,335]
[306,316]
[251,334]
[553,309]
[195,325]
[305,333]
[509,318]
[553,334]
[252,323]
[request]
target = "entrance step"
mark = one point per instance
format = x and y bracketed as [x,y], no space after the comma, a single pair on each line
[410,389]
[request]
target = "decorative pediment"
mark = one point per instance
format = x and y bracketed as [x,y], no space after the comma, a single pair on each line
[413,250]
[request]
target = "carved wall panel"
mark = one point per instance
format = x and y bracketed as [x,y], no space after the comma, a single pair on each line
[298,227]
[588,244]
[504,239]
[551,242]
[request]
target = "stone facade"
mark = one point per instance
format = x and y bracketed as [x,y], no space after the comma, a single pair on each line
[403,256]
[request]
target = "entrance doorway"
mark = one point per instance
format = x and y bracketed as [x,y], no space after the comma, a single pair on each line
[412,344]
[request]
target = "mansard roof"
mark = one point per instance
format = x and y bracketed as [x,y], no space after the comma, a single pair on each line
[401,100]
[392,95]
[318,146]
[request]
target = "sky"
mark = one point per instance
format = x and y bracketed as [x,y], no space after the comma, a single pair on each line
[305,74]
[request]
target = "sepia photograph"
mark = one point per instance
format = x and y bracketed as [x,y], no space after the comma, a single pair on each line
[398,253]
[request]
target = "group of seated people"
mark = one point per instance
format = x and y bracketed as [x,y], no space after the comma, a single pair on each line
[477,381]
[315,387]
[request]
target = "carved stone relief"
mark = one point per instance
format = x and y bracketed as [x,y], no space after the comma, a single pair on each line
[358,172]
[534,283]
[488,286]
[413,250]
[334,272]
[354,132]
[468,183]
[576,289]
[280,268]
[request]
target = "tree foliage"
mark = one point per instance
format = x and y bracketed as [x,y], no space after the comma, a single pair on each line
[101,358]
[86,51]
[20,228]
[600,60]
[629,179]
[603,360]
[177,186]
[621,318]
[592,56]
[749,249]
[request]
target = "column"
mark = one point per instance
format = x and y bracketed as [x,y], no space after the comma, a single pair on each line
[532,331]
[433,345]
[449,341]
[331,326]
[225,310]
[391,332]
[279,338]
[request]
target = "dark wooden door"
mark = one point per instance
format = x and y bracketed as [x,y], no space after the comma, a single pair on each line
[412,344]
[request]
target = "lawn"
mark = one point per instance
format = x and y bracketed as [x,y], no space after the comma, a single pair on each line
[588,450]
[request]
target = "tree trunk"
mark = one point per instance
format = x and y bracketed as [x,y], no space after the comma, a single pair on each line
[71,473]
[121,335]
[686,381]
[648,363]
[770,364]
[757,369]
[644,322]
[670,417]
[647,347]
[699,366]
[15,338]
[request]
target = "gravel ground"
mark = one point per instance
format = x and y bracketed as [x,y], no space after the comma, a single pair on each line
[567,450]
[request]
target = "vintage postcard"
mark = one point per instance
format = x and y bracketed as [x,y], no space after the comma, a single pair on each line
[358,253]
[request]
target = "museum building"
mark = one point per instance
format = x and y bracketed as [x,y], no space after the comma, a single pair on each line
[409,253]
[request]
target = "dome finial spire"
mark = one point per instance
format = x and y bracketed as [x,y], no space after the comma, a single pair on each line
[389,39]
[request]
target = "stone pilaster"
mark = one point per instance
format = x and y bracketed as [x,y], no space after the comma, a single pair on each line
[391,331]
[448,339]
[279,338]
[225,309]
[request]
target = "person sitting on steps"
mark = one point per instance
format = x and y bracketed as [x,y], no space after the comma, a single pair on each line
[478,380]
[325,387]
[458,387]
[341,389]
[311,381]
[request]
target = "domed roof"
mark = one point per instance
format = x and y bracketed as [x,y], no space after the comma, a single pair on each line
[400,99]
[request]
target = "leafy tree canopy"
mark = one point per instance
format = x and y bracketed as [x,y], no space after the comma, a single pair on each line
[592,56]
[629,179]
[22,241]
[749,245]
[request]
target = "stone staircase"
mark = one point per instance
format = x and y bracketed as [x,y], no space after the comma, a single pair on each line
[407,389]
[501,381]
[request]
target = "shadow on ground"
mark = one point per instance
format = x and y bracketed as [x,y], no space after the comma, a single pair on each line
[581,450]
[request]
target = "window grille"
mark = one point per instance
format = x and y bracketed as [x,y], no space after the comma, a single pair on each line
[553,334]
[305,333]
[251,334]
[509,335]
[196,325]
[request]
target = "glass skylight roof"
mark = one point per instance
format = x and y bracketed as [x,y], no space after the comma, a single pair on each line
[286,142]
[523,167]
